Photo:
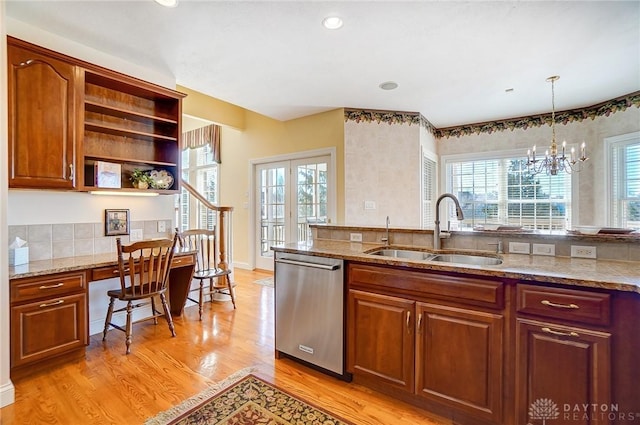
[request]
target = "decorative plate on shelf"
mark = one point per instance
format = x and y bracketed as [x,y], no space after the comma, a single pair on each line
[161,179]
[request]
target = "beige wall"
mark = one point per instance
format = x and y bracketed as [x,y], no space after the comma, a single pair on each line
[253,137]
[383,169]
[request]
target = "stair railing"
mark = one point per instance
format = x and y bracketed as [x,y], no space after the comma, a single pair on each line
[224,225]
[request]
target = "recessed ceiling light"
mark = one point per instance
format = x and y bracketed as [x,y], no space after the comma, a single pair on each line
[388,85]
[167,3]
[332,22]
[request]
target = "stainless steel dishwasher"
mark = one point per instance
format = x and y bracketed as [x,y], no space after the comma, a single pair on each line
[309,311]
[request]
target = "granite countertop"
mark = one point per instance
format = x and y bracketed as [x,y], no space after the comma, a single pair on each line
[605,274]
[68,264]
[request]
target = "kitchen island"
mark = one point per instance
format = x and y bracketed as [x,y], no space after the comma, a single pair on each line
[484,344]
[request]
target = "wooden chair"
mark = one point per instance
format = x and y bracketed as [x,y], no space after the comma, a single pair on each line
[204,241]
[144,274]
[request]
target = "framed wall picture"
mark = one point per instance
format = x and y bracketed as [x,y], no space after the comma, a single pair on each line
[116,222]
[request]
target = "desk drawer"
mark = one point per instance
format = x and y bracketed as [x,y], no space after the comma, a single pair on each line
[582,306]
[55,285]
[108,272]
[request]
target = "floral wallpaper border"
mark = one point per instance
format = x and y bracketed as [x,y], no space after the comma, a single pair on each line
[563,117]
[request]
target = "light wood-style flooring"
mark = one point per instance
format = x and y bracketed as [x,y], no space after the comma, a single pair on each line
[108,387]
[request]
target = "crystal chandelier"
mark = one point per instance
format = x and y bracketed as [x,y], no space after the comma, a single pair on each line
[554,161]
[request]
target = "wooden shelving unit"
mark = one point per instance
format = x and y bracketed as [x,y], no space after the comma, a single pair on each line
[131,125]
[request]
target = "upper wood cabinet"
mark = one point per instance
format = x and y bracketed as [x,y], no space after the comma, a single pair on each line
[67,115]
[42,120]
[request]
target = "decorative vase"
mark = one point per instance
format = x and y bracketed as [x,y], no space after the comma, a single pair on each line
[142,185]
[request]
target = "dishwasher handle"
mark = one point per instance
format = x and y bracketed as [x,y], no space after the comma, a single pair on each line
[307,264]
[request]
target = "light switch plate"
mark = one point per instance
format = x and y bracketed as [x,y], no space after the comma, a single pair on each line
[369,205]
[135,235]
[355,237]
[518,248]
[544,249]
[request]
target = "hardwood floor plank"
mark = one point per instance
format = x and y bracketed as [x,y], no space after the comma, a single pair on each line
[109,387]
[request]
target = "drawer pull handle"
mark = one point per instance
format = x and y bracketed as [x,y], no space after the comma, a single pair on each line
[419,322]
[50,304]
[409,321]
[57,285]
[118,271]
[558,333]
[550,304]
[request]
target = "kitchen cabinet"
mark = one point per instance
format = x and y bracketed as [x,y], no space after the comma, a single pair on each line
[48,317]
[563,351]
[68,117]
[381,339]
[434,339]
[43,96]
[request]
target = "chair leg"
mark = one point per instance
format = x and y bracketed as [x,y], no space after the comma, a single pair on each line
[201,299]
[107,321]
[211,291]
[233,298]
[154,312]
[167,314]
[129,328]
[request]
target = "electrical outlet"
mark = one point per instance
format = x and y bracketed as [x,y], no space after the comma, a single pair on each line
[135,235]
[518,247]
[369,205]
[543,249]
[355,237]
[162,226]
[583,251]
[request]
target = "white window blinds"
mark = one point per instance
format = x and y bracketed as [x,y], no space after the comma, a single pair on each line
[625,180]
[500,191]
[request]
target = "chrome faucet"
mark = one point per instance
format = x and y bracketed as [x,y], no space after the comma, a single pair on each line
[386,239]
[459,214]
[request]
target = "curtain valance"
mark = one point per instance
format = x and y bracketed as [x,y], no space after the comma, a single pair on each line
[209,135]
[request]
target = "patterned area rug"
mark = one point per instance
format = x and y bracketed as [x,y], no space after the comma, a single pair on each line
[249,401]
[267,281]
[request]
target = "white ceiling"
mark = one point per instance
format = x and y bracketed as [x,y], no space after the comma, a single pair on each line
[452,60]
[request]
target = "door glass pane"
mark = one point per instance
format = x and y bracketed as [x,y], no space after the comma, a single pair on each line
[311,196]
[272,209]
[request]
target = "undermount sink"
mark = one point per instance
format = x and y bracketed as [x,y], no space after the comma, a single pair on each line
[477,260]
[404,253]
[409,254]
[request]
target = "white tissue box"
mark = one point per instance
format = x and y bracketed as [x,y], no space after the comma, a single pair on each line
[18,256]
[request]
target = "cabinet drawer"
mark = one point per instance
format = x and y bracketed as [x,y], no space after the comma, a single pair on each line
[108,272]
[566,304]
[47,286]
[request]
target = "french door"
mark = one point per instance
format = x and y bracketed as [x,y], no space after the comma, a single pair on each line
[290,195]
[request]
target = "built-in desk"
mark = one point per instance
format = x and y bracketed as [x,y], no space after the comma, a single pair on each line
[49,304]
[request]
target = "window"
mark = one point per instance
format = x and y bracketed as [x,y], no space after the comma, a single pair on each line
[201,172]
[624,180]
[501,191]
[428,190]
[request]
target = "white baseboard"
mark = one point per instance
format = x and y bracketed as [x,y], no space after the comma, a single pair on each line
[7,394]
[242,265]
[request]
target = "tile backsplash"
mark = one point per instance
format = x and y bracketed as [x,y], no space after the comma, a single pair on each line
[47,241]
